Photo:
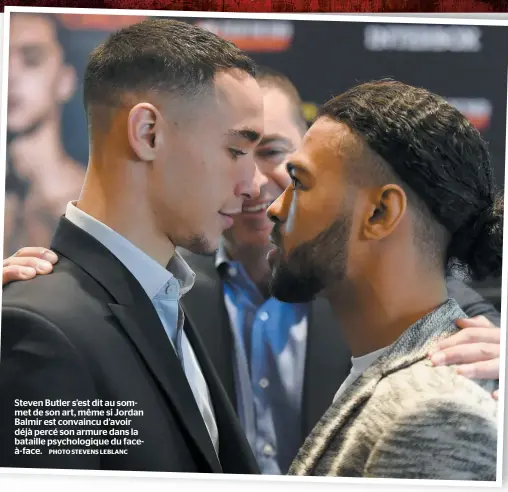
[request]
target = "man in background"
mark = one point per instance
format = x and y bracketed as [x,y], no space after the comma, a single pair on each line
[281,364]
[41,177]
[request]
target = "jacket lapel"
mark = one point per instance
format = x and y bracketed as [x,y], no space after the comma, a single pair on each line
[412,346]
[234,451]
[162,362]
[328,362]
[205,309]
[138,318]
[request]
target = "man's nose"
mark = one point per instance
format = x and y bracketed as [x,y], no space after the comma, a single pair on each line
[252,189]
[275,210]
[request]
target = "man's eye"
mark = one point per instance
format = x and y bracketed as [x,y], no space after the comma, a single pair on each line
[32,57]
[296,183]
[237,153]
[271,152]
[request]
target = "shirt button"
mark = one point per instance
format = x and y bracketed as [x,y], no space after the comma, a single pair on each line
[232,271]
[263,382]
[263,316]
[268,450]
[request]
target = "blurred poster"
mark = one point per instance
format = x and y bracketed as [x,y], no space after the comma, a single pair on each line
[46,125]
[41,175]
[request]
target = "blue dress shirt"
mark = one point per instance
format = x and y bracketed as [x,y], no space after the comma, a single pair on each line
[270,344]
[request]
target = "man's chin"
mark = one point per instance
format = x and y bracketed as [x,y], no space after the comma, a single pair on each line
[288,287]
[200,245]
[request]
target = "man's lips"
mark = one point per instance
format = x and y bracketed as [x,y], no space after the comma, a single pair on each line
[256,207]
[227,219]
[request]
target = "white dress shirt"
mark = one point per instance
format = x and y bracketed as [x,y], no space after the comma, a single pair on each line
[359,366]
[164,287]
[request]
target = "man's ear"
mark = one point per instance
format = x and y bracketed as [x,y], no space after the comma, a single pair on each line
[142,128]
[67,84]
[385,209]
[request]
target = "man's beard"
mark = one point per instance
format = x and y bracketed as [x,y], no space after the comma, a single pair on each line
[312,266]
[198,245]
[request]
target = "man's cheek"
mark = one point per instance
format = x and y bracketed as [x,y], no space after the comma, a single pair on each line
[281,177]
[291,221]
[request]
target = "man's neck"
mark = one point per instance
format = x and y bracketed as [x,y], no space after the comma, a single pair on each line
[254,262]
[374,312]
[39,151]
[117,204]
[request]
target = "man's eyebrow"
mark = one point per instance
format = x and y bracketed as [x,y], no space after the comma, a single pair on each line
[246,133]
[33,47]
[269,139]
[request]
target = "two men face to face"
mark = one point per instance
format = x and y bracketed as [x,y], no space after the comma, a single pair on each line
[204,181]
[312,226]
[220,162]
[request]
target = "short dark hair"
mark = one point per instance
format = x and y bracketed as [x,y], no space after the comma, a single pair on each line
[268,77]
[158,55]
[443,161]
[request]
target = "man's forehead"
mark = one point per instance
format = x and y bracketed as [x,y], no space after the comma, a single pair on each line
[237,91]
[328,139]
[239,119]
[32,31]
[329,132]
[276,102]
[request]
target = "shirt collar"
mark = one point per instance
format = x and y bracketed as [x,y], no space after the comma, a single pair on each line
[182,272]
[150,274]
[221,256]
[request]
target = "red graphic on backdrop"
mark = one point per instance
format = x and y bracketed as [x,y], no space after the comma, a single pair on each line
[252,35]
[101,22]
[280,5]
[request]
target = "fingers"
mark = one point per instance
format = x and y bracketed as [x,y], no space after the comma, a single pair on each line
[33,252]
[495,395]
[488,369]
[475,322]
[466,354]
[470,335]
[14,272]
[40,266]
[27,263]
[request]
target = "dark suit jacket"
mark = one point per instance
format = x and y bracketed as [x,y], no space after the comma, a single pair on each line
[89,331]
[328,358]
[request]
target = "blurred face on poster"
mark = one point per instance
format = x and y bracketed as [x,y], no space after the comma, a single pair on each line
[42,176]
[39,79]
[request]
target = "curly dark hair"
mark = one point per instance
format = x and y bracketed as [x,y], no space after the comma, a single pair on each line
[440,159]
